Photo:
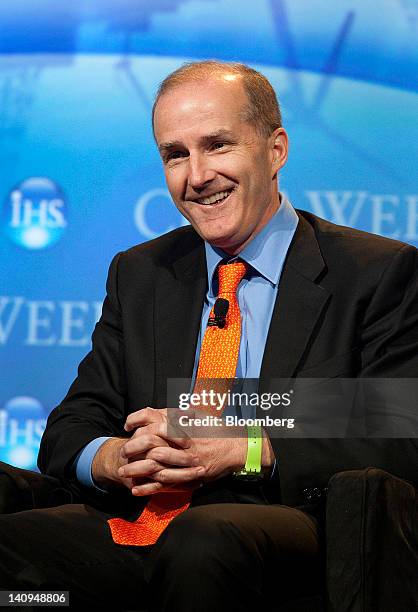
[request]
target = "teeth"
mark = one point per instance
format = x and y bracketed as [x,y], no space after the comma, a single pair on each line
[216,197]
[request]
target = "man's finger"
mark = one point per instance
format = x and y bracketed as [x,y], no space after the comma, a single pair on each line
[156,487]
[140,469]
[173,476]
[142,417]
[141,444]
[172,456]
[166,431]
[171,433]
[164,416]
[147,489]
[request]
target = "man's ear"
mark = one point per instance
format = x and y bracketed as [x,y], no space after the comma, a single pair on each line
[280,147]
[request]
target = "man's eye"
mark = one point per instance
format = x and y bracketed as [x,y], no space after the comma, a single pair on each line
[218,145]
[174,155]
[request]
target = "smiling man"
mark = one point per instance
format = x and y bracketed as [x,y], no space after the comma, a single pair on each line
[220,166]
[252,289]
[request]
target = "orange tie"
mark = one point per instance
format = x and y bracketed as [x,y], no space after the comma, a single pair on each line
[218,359]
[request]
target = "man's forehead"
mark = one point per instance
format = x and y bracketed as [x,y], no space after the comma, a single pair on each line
[209,96]
[197,115]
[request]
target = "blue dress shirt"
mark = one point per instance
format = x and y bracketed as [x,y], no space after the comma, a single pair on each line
[257,294]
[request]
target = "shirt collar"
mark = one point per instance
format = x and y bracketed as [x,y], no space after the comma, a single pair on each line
[266,250]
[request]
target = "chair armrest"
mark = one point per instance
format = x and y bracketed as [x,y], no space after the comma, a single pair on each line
[372,542]
[25,489]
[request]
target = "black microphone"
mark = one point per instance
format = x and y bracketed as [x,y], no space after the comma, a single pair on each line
[220,310]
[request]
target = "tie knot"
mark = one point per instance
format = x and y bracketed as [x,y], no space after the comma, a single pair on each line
[230,276]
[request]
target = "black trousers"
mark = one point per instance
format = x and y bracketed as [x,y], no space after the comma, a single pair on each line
[231,550]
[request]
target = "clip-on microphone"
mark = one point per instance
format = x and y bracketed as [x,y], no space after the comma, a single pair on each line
[220,310]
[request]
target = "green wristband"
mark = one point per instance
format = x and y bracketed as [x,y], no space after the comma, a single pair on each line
[252,466]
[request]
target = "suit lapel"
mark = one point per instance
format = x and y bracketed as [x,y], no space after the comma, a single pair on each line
[298,306]
[179,296]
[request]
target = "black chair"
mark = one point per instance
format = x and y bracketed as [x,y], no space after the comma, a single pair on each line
[371,537]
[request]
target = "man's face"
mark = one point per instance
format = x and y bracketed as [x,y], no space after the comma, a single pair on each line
[221,173]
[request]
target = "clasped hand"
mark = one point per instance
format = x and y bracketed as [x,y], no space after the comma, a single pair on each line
[163,457]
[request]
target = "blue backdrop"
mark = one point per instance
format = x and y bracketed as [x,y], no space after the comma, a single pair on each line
[80,177]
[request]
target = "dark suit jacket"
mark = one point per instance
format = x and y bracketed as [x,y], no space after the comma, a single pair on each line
[347,306]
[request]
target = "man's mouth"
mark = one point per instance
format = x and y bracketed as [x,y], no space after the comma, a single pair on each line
[215,198]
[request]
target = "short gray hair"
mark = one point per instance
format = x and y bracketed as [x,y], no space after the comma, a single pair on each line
[262,109]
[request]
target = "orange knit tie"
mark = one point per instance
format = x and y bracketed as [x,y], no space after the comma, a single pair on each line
[218,359]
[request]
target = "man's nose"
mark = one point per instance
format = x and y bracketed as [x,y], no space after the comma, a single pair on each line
[200,172]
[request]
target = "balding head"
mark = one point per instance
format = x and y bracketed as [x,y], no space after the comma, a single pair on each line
[262,108]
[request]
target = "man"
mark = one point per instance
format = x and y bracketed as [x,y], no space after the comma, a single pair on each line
[316,300]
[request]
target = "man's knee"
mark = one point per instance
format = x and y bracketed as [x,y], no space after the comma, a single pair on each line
[200,562]
[198,530]
[203,537]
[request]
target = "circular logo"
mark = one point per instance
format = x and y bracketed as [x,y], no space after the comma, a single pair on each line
[22,421]
[35,213]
